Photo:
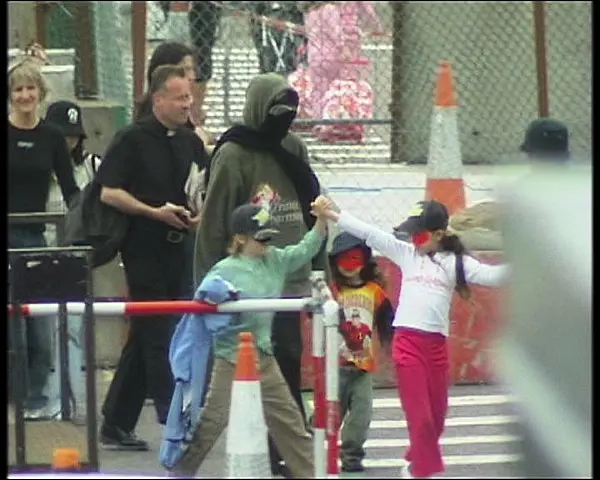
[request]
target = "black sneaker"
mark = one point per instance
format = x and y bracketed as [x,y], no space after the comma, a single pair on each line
[281,470]
[113,438]
[352,467]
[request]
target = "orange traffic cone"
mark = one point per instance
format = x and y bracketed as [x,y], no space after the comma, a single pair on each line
[444,173]
[247,449]
[66,459]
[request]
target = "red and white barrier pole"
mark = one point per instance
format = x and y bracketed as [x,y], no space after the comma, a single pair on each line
[319,398]
[332,344]
[330,404]
[170,307]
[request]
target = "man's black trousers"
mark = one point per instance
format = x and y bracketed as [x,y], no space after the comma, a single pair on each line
[154,271]
[287,348]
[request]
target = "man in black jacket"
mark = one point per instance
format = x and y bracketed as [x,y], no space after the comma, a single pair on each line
[143,174]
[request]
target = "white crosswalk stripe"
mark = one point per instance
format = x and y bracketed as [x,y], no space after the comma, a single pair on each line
[449,460]
[469,440]
[479,441]
[453,422]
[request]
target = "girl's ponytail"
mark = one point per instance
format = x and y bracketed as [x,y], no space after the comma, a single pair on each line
[452,243]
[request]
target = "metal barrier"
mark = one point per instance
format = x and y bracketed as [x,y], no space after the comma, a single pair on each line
[321,304]
[325,344]
[18,353]
[57,219]
[326,362]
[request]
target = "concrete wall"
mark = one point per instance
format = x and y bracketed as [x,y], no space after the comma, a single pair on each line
[101,121]
[21,24]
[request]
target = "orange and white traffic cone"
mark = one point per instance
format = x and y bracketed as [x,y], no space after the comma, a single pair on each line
[444,165]
[247,448]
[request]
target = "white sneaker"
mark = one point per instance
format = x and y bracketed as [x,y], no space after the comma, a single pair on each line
[405,472]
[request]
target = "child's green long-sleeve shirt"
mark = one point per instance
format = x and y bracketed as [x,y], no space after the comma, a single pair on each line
[262,277]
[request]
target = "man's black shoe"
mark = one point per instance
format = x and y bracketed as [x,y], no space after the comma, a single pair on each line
[113,438]
[281,470]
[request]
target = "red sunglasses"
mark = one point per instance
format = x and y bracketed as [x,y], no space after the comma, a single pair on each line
[421,238]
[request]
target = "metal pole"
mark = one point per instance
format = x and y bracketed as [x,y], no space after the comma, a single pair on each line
[19,374]
[169,307]
[331,315]
[397,130]
[541,60]
[60,232]
[138,49]
[87,84]
[63,355]
[318,352]
[90,370]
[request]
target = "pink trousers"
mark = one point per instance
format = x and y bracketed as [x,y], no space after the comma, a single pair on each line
[422,373]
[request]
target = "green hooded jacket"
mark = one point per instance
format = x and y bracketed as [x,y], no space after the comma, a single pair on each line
[240,175]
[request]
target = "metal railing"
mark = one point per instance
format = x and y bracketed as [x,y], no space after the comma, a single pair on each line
[18,353]
[325,330]
[321,304]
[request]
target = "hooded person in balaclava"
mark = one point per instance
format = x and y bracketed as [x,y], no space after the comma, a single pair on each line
[260,161]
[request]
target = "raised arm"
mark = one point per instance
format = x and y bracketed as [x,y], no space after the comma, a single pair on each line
[485,275]
[385,243]
[293,257]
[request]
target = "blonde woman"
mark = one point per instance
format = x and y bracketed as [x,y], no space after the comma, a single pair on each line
[36,150]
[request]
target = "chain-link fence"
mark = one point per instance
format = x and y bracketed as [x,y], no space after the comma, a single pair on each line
[512,61]
[569,55]
[497,57]
[113,52]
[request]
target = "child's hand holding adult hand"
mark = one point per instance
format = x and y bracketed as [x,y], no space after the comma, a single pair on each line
[324,207]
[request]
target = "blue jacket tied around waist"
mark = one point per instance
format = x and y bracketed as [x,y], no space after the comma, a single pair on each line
[188,356]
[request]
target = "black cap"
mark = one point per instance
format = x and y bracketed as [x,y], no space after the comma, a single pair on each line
[428,215]
[346,241]
[546,136]
[66,116]
[254,221]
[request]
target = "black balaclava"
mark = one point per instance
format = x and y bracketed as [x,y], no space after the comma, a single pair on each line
[281,115]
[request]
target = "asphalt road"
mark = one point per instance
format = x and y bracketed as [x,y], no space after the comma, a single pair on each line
[479,441]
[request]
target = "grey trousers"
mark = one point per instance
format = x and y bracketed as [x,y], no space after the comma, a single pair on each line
[284,421]
[356,409]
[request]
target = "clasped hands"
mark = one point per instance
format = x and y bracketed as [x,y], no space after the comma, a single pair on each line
[323,207]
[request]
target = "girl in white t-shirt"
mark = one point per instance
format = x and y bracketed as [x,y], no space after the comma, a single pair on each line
[433,266]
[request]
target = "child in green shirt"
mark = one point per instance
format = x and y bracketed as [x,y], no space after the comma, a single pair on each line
[258,271]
